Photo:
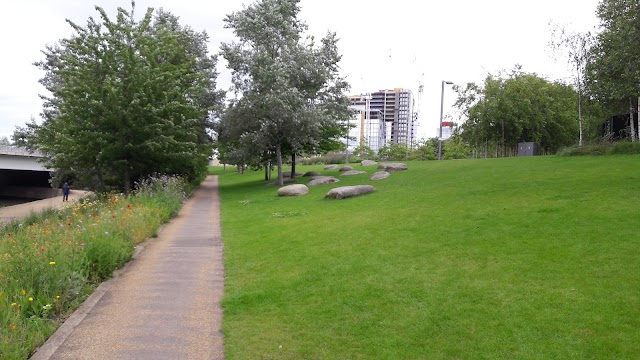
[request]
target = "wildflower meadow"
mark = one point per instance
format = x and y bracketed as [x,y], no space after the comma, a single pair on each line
[52,261]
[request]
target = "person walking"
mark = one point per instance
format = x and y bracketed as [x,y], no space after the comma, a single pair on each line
[65,192]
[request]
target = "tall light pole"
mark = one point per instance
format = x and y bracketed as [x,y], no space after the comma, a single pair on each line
[441,115]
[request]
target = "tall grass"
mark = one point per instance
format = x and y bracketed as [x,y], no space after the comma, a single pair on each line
[51,261]
[621,147]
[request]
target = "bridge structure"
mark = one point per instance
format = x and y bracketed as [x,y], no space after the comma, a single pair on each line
[22,176]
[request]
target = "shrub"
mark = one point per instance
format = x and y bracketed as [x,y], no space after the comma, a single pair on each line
[622,147]
[625,147]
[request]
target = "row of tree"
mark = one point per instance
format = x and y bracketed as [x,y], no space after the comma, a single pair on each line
[129,98]
[516,107]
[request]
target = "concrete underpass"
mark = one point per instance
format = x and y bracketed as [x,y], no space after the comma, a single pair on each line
[22,178]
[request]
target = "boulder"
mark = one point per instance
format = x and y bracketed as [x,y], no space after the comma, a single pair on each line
[380,175]
[345,168]
[322,180]
[288,174]
[312,173]
[353,172]
[293,190]
[393,167]
[349,191]
[368,163]
[331,167]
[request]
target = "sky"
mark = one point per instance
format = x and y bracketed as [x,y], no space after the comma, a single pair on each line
[385,45]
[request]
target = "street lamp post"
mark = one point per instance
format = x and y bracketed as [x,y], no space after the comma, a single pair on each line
[441,115]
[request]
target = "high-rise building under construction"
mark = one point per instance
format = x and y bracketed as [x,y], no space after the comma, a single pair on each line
[395,109]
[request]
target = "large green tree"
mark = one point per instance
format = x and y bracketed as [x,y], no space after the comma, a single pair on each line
[128,98]
[290,97]
[612,71]
[518,107]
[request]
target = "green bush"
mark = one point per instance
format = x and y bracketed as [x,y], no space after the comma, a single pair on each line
[625,147]
[622,147]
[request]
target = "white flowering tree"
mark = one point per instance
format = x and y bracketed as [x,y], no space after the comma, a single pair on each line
[128,98]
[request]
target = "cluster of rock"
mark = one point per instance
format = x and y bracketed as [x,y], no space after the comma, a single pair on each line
[342,192]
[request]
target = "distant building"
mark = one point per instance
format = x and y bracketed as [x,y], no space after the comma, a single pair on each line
[389,117]
[370,126]
[447,130]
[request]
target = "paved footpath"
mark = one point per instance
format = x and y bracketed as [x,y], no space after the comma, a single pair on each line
[10,213]
[165,304]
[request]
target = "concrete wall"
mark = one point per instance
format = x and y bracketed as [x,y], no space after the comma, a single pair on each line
[16,162]
[29,192]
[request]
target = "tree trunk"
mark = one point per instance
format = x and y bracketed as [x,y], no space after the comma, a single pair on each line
[101,186]
[293,164]
[633,131]
[266,171]
[279,157]
[638,130]
[579,106]
[127,182]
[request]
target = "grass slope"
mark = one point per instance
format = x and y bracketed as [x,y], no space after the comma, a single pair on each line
[535,258]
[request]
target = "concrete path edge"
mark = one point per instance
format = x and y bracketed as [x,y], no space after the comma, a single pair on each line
[46,350]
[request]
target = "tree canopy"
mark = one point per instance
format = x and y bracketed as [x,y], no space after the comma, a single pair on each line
[289,95]
[127,99]
[518,107]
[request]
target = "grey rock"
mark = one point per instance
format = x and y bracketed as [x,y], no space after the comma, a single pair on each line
[312,173]
[353,172]
[288,174]
[380,175]
[322,180]
[345,168]
[331,167]
[368,163]
[393,167]
[293,190]
[349,191]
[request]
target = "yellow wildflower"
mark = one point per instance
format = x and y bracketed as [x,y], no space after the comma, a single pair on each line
[24,292]
[52,263]
[30,299]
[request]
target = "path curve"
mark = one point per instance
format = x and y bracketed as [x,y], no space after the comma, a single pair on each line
[164,304]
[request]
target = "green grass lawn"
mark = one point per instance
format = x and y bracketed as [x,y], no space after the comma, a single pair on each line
[523,258]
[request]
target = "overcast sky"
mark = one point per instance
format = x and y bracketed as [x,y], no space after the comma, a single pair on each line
[385,44]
